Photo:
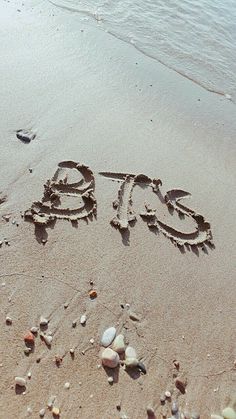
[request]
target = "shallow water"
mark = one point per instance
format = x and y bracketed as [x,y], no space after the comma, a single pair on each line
[196,38]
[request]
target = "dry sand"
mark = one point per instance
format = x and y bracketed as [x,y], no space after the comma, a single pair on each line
[95,100]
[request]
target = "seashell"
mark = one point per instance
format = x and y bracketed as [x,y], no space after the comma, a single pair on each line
[131,362]
[110,358]
[228,413]
[43,321]
[119,344]
[19,381]
[108,336]
[130,352]
[83,319]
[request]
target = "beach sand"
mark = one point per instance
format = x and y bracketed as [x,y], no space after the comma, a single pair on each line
[94,100]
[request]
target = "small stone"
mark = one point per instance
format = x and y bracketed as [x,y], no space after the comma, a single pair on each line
[56,411]
[29,338]
[58,360]
[66,305]
[67,385]
[176,364]
[130,352]
[8,320]
[93,294]
[74,323]
[108,336]
[119,344]
[110,380]
[131,362]
[168,394]
[29,411]
[47,339]
[25,135]
[228,413]
[110,358]
[150,411]
[30,170]
[27,351]
[34,330]
[180,384]
[72,351]
[92,341]
[83,319]
[162,398]
[133,316]
[29,375]
[19,381]
[43,321]
[38,359]
[42,413]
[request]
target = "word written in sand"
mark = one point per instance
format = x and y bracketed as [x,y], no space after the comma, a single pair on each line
[74,180]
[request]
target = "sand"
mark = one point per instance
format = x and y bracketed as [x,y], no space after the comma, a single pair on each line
[93,100]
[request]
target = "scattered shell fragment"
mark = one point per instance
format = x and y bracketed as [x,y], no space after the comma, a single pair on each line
[119,344]
[110,358]
[130,352]
[19,381]
[43,321]
[110,380]
[228,413]
[67,385]
[83,319]
[93,294]
[8,320]
[29,338]
[42,413]
[108,336]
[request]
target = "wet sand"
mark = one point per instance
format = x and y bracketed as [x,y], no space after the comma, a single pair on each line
[94,100]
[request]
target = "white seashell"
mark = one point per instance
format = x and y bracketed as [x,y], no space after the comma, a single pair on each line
[110,358]
[131,362]
[43,321]
[119,344]
[130,352]
[19,381]
[83,319]
[108,336]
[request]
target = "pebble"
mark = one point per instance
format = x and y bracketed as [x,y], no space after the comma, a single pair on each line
[92,341]
[181,385]
[47,339]
[110,380]
[168,394]
[130,352]
[25,135]
[51,401]
[228,413]
[29,375]
[72,351]
[93,294]
[29,338]
[34,330]
[42,413]
[142,368]
[74,323]
[83,319]
[131,362]
[150,411]
[8,320]
[162,398]
[67,385]
[110,358]
[174,408]
[119,344]
[108,336]
[43,321]
[56,411]
[19,381]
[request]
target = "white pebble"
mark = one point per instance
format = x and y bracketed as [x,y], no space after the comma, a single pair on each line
[108,336]
[131,362]
[168,394]
[47,339]
[119,344]
[72,351]
[83,319]
[29,375]
[42,413]
[110,380]
[92,341]
[130,352]
[110,358]
[34,329]
[228,413]
[20,381]
[67,385]
[43,321]
[8,320]
[29,411]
